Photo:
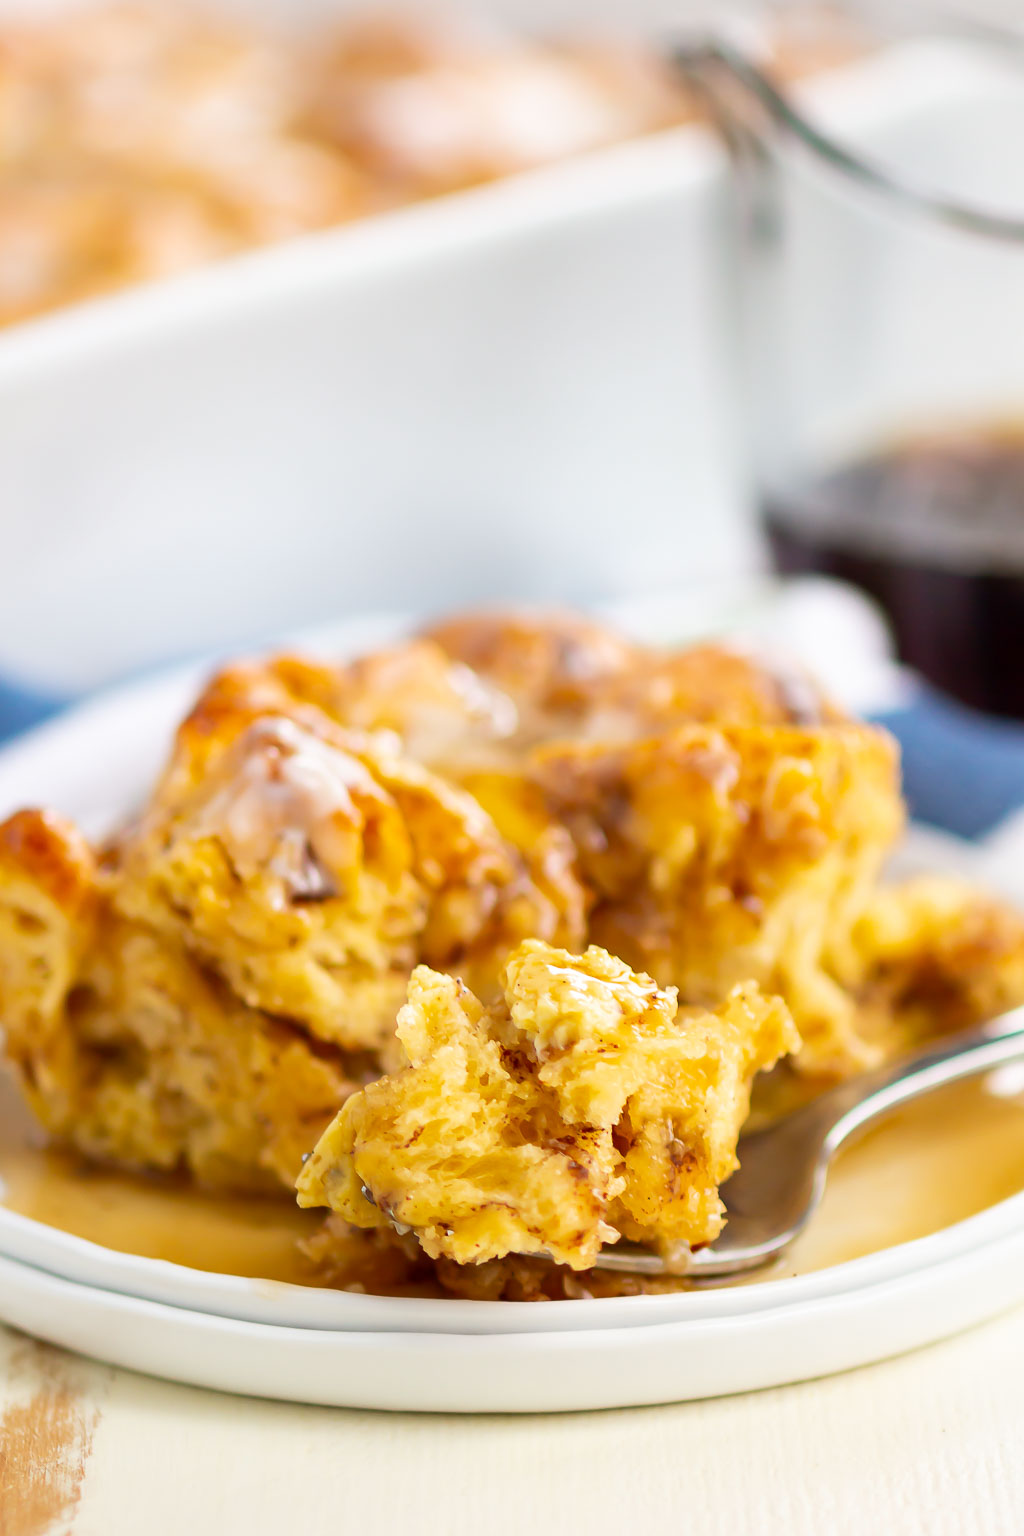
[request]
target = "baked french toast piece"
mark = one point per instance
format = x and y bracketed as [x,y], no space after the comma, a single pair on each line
[937,955]
[311,867]
[50,907]
[548,662]
[663,689]
[384,82]
[126,1050]
[288,870]
[721,854]
[475,692]
[444,714]
[475,736]
[583,1107]
[574,676]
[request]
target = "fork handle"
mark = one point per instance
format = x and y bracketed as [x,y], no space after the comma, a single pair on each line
[849,1106]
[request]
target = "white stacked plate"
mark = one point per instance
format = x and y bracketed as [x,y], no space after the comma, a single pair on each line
[447,1355]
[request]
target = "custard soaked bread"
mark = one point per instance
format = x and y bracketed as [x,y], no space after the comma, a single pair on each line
[205,989]
[582,1108]
[728,853]
[127,1050]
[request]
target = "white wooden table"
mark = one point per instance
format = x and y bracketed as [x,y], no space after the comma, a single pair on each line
[929,1444]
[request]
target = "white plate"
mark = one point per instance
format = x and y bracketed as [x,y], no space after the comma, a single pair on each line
[524,1372]
[335,1347]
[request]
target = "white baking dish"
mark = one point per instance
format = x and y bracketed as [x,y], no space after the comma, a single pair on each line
[517,389]
[524,389]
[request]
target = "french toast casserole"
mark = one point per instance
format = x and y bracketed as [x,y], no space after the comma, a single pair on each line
[483,941]
[139,140]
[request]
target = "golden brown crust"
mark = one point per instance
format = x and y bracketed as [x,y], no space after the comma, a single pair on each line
[49,910]
[660,690]
[548,662]
[446,715]
[50,852]
[312,865]
[567,674]
[288,869]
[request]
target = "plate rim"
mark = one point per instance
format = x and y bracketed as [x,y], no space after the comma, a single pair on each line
[242,1299]
[502,1373]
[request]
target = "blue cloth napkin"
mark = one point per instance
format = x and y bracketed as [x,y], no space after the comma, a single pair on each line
[963,772]
[21,708]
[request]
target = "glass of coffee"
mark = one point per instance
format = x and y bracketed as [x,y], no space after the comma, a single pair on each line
[883,334]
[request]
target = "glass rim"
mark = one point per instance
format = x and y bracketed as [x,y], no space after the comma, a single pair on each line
[706,59]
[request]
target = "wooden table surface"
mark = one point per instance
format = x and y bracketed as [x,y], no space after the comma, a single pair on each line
[929,1444]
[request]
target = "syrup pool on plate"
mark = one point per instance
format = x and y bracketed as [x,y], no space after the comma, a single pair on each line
[925,1167]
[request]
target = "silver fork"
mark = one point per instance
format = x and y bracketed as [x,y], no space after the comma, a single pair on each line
[783,1168]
